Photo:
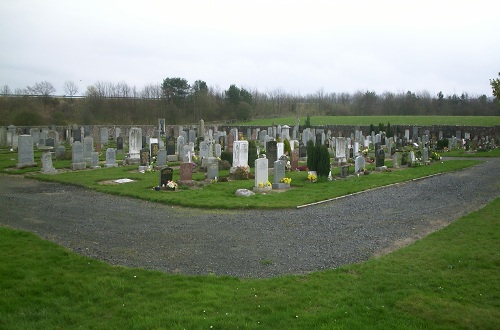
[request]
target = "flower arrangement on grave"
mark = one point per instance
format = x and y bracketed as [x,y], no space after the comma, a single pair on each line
[194,158]
[241,172]
[172,185]
[311,177]
[364,151]
[264,185]
[286,180]
[435,156]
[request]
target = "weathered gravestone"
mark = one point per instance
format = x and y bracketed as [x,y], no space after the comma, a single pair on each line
[261,174]
[110,158]
[144,158]
[88,148]
[94,162]
[359,164]
[25,154]
[77,160]
[240,154]
[212,168]
[186,172]
[161,159]
[61,152]
[279,174]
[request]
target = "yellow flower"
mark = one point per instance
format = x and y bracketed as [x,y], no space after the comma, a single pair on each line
[261,184]
[286,180]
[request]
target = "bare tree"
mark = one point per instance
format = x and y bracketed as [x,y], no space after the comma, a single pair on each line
[5,90]
[43,88]
[70,88]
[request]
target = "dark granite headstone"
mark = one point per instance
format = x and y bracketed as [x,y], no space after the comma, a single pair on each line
[171,145]
[166,175]
[272,152]
[144,155]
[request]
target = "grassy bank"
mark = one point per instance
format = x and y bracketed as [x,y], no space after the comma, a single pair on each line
[375,120]
[448,280]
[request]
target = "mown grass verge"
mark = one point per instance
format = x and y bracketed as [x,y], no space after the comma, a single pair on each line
[448,280]
[221,195]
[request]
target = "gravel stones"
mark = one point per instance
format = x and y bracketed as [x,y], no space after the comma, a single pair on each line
[244,243]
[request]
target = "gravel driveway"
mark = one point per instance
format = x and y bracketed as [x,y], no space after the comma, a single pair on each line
[255,243]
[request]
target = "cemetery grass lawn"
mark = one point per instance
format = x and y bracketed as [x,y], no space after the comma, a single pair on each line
[462,153]
[375,120]
[447,280]
[221,195]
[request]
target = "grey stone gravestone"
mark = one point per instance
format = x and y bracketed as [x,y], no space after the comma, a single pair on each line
[61,152]
[88,148]
[95,160]
[261,173]
[110,158]
[425,155]
[359,164]
[161,159]
[279,173]
[212,168]
[77,162]
[25,154]
[104,135]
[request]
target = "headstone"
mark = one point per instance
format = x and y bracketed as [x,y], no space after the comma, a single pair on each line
[161,125]
[154,147]
[230,142]
[379,158]
[240,154]
[144,157]
[261,173]
[25,154]
[88,148]
[212,168]
[272,152]
[166,175]
[171,145]
[359,164]
[94,163]
[425,155]
[395,163]
[294,159]
[279,173]
[340,149]
[110,158]
[280,149]
[135,143]
[77,160]
[204,149]
[60,152]
[119,144]
[104,135]
[186,171]
[161,158]
[77,135]
[218,150]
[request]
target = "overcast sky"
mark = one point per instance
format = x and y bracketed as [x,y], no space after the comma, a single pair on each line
[295,46]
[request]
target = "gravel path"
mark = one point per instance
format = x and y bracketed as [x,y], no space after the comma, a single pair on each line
[256,243]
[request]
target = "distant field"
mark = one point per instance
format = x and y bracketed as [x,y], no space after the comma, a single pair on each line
[375,120]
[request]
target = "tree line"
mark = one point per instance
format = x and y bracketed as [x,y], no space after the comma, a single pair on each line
[180,102]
